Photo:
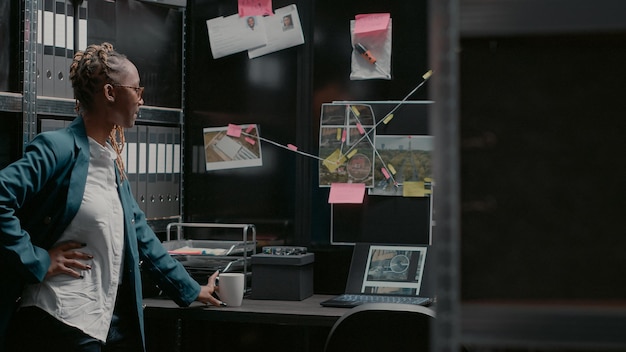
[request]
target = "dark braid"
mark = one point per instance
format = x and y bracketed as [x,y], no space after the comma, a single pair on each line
[89,72]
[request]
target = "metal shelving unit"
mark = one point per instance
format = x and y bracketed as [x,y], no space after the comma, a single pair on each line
[32,106]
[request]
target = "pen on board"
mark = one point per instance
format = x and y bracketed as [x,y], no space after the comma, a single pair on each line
[365,53]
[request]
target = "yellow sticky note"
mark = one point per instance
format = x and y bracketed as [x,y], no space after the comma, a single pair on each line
[355,110]
[334,160]
[351,154]
[339,134]
[413,189]
[390,167]
[388,118]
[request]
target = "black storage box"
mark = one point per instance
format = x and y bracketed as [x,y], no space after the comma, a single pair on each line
[282,277]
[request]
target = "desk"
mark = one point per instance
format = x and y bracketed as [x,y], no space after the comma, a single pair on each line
[278,325]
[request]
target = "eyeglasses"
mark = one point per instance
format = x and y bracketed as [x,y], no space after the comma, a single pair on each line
[138,90]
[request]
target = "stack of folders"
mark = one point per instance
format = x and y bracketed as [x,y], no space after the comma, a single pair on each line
[55,45]
[152,158]
[153,166]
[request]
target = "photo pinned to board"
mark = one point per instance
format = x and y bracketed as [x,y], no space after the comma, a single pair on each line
[408,168]
[346,149]
[226,150]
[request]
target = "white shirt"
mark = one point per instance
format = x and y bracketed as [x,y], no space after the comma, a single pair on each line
[88,303]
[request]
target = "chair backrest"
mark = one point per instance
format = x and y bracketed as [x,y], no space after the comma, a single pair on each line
[382,327]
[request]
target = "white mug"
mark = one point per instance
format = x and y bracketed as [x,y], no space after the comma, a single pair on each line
[231,287]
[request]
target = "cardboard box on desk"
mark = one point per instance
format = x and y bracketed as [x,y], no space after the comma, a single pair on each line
[282,277]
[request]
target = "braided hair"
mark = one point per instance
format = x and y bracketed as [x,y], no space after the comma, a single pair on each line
[89,71]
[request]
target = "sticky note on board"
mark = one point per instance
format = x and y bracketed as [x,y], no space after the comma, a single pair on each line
[292,147]
[254,7]
[360,128]
[334,160]
[250,140]
[346,193]
[385,173]
[414,189]
[373,22]
[233,130]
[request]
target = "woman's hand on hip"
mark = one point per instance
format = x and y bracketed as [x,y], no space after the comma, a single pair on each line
[66,259]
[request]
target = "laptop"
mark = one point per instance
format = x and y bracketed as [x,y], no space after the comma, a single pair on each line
[385,274]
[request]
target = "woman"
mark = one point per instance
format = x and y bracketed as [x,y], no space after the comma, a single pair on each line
[73,236]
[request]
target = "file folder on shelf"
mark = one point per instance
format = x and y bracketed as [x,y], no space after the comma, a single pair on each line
[130,160]
[40,69]
[142,165]
[176,171]
[69,47]
[59,76]
[47,86]
[152,199]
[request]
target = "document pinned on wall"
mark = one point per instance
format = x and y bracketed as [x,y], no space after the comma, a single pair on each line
[229,147]
[233,34]
[283,30]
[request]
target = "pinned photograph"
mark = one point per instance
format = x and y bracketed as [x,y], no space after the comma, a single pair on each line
[404,167]
[225,151]
[283,30]
[346,148]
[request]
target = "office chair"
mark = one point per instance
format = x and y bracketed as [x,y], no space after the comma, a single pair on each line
[382,327]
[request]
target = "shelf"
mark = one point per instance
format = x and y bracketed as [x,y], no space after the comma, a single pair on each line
[12,102]
[557,325]
[150,114]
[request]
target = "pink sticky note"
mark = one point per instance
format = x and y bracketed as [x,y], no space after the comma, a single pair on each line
[371,22]
[233,130]
[385,172]
[292,147]
[342,193]
[343,136]
[249,129]
[255,8]
[360,128]
[250,140]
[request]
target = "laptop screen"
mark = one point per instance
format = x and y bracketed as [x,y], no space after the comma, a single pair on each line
[388,269]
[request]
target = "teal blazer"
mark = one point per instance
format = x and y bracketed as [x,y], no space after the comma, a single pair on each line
[40,195]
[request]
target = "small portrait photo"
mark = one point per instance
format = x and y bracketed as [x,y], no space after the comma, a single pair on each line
[287,22]
[251,22]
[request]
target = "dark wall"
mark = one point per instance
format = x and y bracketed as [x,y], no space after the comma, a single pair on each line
[151,36]
[283,93]
[236,90]
[542,125]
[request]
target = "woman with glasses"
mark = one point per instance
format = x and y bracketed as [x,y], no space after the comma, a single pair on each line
[71,234]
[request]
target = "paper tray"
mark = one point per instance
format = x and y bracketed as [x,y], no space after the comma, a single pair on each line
[202,257]
[207,248]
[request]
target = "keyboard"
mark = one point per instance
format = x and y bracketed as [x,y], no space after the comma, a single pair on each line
[352,300]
